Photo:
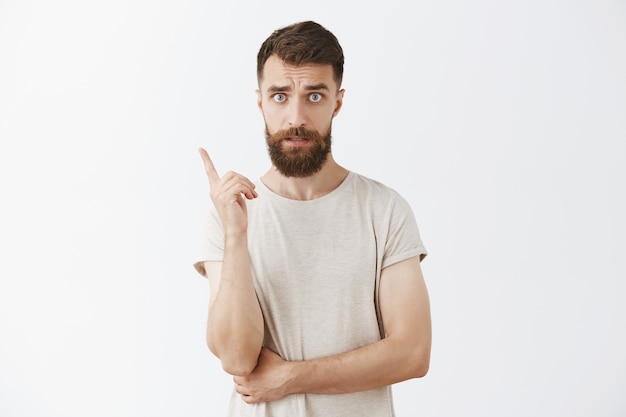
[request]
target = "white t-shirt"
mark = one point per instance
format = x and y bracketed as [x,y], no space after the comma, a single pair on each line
[316,268]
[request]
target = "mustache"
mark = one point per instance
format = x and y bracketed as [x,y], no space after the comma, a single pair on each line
[295,131]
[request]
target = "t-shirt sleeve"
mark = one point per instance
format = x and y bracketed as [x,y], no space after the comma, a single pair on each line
[211,246]
[403,237]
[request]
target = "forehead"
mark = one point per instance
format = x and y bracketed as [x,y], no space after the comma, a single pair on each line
[278,73]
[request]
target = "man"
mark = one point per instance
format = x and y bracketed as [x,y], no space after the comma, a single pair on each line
[317,304]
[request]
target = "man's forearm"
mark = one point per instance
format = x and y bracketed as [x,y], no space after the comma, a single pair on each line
[235,325]
[382,363]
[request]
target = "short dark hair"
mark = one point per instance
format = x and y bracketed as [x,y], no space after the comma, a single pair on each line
[303,43]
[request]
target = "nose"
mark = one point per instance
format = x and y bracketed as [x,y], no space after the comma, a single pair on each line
[297,116]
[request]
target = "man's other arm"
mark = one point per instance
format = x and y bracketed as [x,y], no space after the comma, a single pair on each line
[403,354]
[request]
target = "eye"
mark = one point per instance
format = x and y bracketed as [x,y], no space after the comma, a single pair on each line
[315,97]
[279,97]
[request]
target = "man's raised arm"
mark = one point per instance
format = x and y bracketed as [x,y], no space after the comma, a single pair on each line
[235,322]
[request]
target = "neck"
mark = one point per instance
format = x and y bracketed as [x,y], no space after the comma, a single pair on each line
[306,188]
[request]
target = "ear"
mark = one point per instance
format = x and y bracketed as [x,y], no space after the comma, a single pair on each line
[259,100]
[338,102]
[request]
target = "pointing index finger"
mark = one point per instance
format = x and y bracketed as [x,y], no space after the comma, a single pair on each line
[208,166]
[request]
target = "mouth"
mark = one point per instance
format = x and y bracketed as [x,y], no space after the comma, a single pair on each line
[296,141]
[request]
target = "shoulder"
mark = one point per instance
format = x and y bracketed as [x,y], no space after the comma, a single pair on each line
[374,189]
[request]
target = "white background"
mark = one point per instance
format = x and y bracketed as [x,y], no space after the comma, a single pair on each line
[502,123]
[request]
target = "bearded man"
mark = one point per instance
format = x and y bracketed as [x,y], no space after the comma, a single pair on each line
[318,304]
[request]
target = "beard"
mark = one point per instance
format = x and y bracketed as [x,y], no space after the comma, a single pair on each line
[298,161]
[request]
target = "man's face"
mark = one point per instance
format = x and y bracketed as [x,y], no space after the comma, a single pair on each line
[298,104]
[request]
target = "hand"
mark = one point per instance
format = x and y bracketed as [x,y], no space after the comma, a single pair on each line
[226,193]
[268,381]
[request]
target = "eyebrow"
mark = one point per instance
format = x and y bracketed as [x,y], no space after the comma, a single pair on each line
[283,89]
[314,87]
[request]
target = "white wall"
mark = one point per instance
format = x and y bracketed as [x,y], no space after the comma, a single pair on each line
[503,123]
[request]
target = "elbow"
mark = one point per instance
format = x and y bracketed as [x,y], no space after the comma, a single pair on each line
[419,363]
[235,362]
[421,369]
[238,366]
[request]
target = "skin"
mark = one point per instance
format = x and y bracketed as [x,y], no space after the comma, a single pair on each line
[305,96]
